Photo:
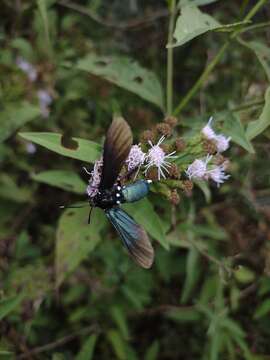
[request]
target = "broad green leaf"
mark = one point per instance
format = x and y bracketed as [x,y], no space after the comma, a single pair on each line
[127,74]
[118,344]
[258,126]
[75,239]
[11,191]
[233,127]
[192,272]
[192,22]
[9,304]
[81,149]
[63,179]
[263,309]
[144,213]
[262,52]
[13,117]
[87,350]
[119,317]
[198,2]
[152,351]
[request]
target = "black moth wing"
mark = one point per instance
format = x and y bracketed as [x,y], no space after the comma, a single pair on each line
[116,149]
[133,235]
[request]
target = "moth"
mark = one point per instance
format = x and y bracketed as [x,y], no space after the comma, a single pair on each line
[111,194]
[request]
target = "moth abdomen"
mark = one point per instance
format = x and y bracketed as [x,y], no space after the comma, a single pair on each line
[136,191]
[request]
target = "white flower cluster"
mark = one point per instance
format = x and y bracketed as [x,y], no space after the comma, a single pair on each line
[201,169]
[92,188]
[222,143]
[155,156]
[44,97]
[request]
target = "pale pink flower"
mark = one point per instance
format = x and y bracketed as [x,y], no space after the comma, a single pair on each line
[27,68]
[156,156]
[217,174]
[45,100]
[135,158]
[207,130]
[92,188]
[222,143]
[30,148]
[198,169]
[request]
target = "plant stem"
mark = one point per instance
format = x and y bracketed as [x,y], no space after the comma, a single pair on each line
[169,94]
[215,60]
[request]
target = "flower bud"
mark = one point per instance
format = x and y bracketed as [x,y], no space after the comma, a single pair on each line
[187,187]
[171,120]
[209,146]
[164,129]
[174,172]
[147,135]
[180,144]
[174,197]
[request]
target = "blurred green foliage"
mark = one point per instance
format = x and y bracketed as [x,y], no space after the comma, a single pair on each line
[68,290]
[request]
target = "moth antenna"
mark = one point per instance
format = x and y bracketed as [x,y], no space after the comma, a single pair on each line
[87,172]
[72,206]
[89,216]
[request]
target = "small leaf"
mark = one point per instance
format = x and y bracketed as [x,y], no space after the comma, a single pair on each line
[233,127]
[192,272]
[204,186]
[75,239]
[11,191]
[66,180]
[14,117]
[144,213]
[263,309]
[9,304]
[192,22]
[87,350]
[152,351]
[244,275]
[118,344]
[118,316]
[85,150]
[262,52]
[183,315]
[256,127]
[127,74]
[42,6]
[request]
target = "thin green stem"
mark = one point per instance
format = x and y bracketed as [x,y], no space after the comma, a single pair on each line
[215,61]
[169,106]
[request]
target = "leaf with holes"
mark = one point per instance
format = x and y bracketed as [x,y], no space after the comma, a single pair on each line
[75,239]
[192,22]
[80,149]
[66,180]
[127,74]
[256,127]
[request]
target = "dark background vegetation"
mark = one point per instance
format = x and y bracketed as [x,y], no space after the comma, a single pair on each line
[207,297]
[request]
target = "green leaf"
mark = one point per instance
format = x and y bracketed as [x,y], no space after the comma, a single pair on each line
[183,315]
[233,127]
[63,179]
[192,22]
[118,344]
[87,350]
[262,52]
[258,126]
[263,309]
[192,272]
[11,191]
[13,117]
[144,213]
[75,239]
[204,186]
[80,149]
[119,317]
[9,304]
[152,351]
[42,6]
[127,74]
